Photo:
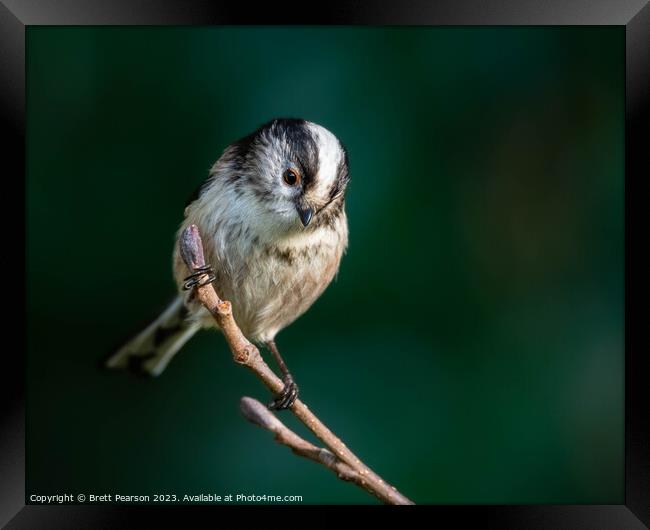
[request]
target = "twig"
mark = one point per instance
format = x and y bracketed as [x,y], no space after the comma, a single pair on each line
[247,354]
[260,415]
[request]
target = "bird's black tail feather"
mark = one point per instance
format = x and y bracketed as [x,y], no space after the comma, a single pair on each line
[151,350]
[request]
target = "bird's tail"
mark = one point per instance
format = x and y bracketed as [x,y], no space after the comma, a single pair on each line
[151,350]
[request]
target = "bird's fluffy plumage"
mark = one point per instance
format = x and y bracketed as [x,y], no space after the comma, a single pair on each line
[266,262]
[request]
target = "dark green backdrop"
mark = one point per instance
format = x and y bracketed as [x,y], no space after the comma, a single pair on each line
[471,350]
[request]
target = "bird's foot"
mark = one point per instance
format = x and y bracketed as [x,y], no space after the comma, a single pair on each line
[287,396]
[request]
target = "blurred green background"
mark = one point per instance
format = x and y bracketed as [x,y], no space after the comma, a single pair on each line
[471,349]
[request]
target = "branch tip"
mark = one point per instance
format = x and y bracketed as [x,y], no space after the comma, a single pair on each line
[191,247]
[257,413]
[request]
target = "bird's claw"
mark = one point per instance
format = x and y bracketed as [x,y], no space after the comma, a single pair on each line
[287,396]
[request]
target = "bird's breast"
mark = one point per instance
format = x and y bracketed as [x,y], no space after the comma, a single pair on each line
[270,284]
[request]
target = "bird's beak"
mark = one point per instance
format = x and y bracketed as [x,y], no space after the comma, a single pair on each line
[305,213]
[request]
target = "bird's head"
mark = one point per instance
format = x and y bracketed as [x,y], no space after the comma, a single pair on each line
[295,170]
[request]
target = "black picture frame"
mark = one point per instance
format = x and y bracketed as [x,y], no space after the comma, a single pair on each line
[16,15]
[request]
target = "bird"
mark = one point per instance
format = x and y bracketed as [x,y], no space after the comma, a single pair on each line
[272,218]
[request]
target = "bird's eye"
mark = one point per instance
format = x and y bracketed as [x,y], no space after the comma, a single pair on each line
[291,177]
